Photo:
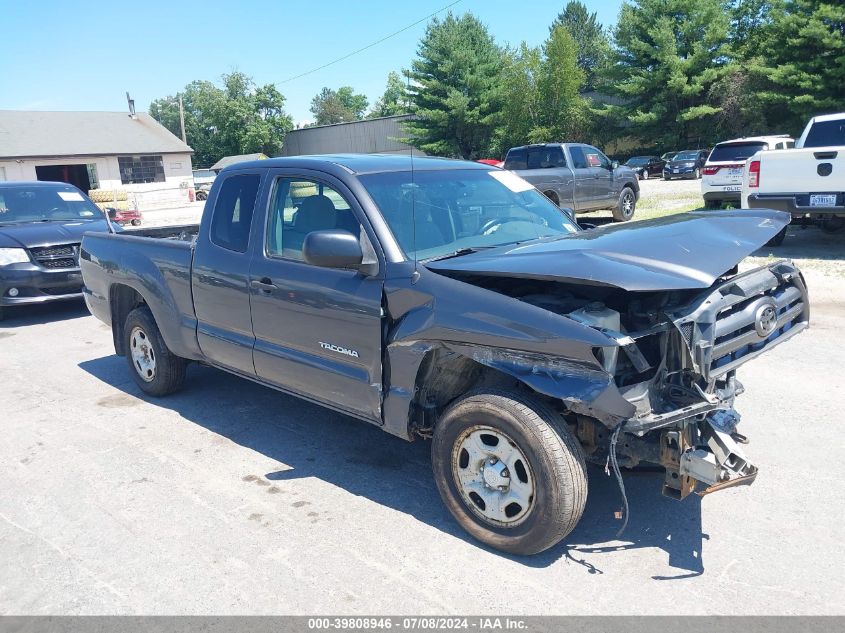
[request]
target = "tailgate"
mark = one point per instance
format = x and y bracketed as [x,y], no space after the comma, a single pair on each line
[812,170]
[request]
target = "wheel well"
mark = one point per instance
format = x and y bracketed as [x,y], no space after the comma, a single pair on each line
[551,195]
[444,376]
[122,300]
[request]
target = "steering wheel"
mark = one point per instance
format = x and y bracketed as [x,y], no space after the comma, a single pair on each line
[492,223]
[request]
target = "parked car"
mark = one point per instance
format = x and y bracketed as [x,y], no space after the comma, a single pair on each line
[451,300]
[645,166]
[493,162]
[668,156]
[201,191]
[686,164]
[577,176]
[41,226]
[204,177]
[721,179]
[808,181]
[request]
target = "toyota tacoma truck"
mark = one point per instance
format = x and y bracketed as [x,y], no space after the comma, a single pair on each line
[577,176]
[807,182]
[453,301]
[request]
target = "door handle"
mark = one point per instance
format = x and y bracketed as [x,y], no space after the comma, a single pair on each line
[265,285]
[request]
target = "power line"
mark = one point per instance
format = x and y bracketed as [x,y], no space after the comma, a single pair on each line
[360,50]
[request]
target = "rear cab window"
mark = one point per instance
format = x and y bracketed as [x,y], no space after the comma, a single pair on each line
[736,152]
[233,211]
[826,134]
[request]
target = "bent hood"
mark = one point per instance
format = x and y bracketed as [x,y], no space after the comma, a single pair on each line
[678,252]
[33,234]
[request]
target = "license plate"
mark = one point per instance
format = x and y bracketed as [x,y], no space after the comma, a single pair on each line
[675,171]
[736,171]
[823,200]
[732,188]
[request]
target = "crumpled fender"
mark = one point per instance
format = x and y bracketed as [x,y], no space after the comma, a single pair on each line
[549,353]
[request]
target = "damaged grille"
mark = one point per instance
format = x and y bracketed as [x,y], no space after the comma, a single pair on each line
[744,317]
[56,257]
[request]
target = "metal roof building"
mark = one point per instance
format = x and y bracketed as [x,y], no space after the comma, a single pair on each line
[368,136]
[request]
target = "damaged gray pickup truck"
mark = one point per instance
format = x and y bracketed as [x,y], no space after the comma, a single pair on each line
[450,300]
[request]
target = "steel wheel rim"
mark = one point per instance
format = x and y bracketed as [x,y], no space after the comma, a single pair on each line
[143,355]
[628,204]
[493,476]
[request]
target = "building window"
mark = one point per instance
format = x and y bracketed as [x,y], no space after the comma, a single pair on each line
[140,169]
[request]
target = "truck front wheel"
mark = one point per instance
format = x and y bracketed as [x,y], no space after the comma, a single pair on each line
[624,209]
[509,471]
[155,369]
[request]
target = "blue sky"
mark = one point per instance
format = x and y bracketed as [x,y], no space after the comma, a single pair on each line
[86,55]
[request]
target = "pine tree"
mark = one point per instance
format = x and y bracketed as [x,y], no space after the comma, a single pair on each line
[804,59]
[668,54]
[590,39]
[455,89]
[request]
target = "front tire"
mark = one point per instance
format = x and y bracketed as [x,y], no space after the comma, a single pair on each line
[626,206]
[509,471]
[154,368]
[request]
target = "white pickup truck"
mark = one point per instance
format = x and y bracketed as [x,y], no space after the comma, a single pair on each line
[808,181]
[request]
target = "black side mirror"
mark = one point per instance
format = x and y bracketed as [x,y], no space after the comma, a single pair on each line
[111,212]
[333,248]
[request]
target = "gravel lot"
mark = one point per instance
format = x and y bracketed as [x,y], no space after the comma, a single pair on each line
[231,498]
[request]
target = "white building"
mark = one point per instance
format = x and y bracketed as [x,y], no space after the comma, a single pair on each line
[114,151]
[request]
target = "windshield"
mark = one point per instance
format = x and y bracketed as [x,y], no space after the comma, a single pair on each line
[637,160]
[686,156]
[39,203]
[736,152]
[462,209]
[826,134]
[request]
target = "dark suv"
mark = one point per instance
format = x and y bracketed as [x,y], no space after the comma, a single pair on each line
[41,227]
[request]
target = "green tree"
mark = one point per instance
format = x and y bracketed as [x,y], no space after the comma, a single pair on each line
[455,92]
[338,106]
[804,59]
[590,38]
[563,115]
[668,54]
[394,100]
[237,118]
[522,108]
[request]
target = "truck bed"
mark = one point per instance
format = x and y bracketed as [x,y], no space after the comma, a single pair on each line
[153,263]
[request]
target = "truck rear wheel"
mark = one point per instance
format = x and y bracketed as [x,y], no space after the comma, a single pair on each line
[624,210]
[155,369]
[509,471]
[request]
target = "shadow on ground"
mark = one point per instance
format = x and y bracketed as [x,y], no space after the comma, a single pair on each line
[365,461]
[20,316]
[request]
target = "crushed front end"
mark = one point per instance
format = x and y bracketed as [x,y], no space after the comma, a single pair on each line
[677,365]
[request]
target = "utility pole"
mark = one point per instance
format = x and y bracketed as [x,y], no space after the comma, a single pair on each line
[182,120]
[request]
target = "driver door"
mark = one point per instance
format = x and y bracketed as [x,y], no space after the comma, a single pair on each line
[318,331]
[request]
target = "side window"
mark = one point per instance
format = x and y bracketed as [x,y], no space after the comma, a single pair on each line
[233,211]
[546,157]
[790,144]
[516,159]
[299,206]
[595,158]
[579,161]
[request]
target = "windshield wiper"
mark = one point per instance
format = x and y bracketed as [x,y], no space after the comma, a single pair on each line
[458,253]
